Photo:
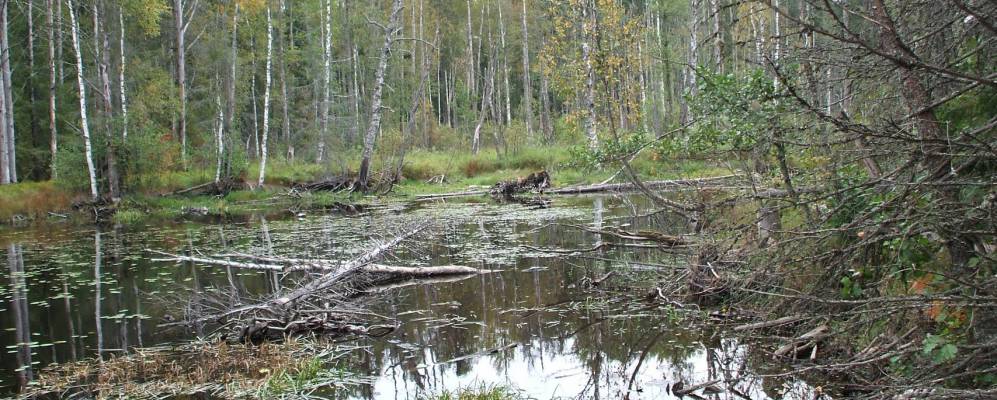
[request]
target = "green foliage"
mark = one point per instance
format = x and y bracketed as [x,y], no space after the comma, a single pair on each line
[733,113]
[609,152]
[939,348]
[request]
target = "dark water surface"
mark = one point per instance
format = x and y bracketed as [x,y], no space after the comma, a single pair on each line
[537,325]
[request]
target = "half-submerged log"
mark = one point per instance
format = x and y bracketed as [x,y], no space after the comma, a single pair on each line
[599,188]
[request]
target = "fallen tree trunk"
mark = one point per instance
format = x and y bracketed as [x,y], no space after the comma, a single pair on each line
[418,272]
[298,265]
[598,188]
[768,324]
[625,187]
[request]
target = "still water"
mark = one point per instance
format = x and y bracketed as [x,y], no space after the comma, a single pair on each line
[536,325]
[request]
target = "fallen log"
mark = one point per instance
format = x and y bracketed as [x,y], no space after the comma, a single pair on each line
[768,324]
[807,341]
[626,187]
[418,272]
[297,265]
[705,385]
[598,188]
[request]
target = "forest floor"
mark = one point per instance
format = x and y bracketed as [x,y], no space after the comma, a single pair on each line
[424,172]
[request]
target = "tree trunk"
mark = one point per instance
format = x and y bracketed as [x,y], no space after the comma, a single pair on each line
[181,32]
[121,74]
[689,73]
[33,123]
[219,139]
[588,21]
[266,101]
[326,78]
[935,150]
[8,96]
[230,117]
[103,65]
[546,122]
[718,37]
[256,118]
[285,100]
[470,52]
[375,98]
[505,69]
[486,100]
[4,142]
[84,124]
[53,128]
[527,89]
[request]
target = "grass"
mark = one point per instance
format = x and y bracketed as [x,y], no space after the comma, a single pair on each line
[34,200]
[482,392]
[216,369]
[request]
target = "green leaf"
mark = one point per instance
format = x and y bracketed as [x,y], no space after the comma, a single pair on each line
[946,353]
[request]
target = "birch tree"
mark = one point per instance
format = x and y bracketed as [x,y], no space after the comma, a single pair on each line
[375,99]
[527,90]
[8,101]
[121,73]
[326,78]
[588,98]
[234,65]
[53,128]
[266,101]
[84,124]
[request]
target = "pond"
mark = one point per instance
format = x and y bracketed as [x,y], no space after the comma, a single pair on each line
[537,324]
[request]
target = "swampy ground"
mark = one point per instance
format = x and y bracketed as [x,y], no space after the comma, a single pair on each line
[542,325]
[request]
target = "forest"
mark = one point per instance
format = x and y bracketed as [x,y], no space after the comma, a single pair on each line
[806,188]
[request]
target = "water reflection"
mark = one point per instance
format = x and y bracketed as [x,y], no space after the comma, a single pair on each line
[19,306]
[537,325]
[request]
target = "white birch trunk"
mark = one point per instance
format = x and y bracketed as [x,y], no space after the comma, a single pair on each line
[266,101]
[53,129]
[181,65]
[121,74]
[589,93]
[230,117]
[219,138]
[84,124]
[505,68]
[326,78]
[8,98]
[375,99]
[527,90]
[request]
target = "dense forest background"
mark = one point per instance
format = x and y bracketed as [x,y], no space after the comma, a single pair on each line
[181,84]
[860,132]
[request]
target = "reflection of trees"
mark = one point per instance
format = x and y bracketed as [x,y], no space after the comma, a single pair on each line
[97,293]
[19,304]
